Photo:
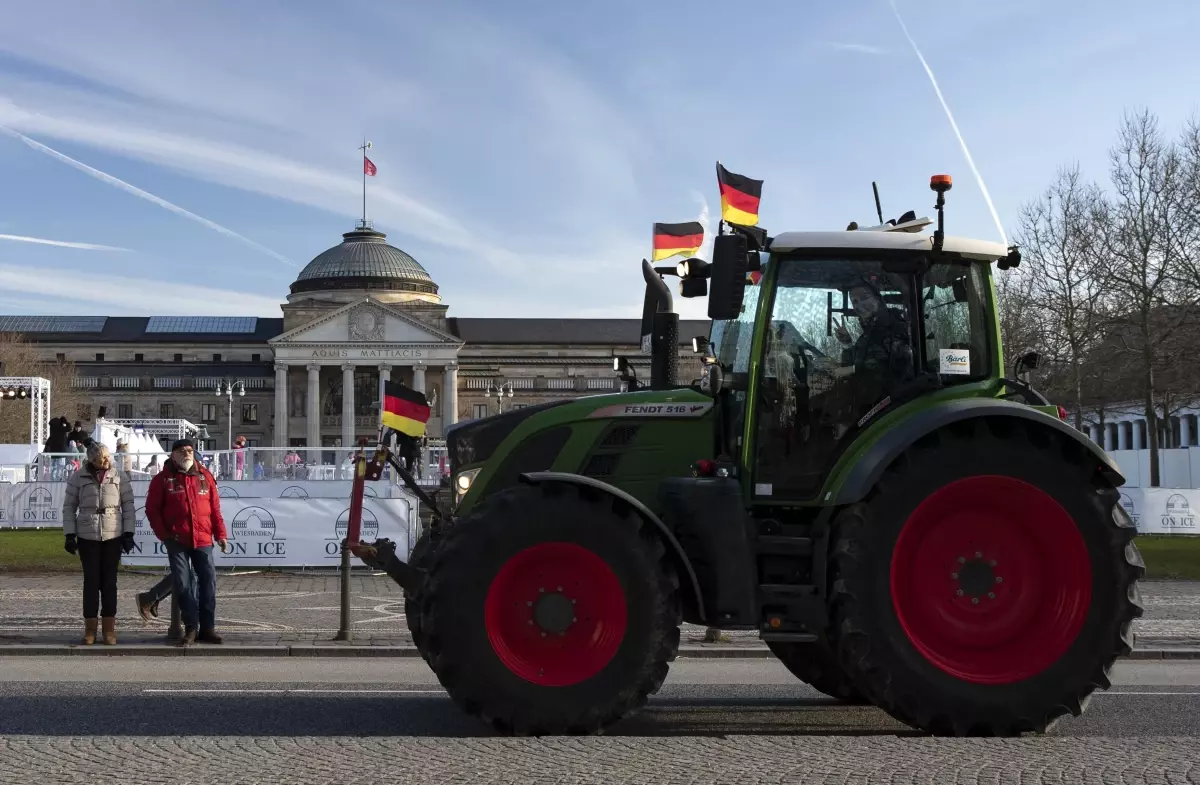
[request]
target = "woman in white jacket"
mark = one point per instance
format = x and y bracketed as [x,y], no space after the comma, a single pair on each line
[99,521]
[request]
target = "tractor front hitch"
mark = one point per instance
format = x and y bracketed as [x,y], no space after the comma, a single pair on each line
[381,555]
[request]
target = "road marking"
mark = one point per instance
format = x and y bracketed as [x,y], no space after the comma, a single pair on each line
[1112,692]
[286,691]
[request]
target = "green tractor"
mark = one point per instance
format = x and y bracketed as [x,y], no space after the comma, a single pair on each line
[853,476]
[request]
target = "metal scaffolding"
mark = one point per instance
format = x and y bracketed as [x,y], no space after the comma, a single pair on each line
[36,391]
[172,428]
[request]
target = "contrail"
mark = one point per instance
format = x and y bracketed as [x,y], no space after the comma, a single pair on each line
[133,189]
[704,220]
[60,243]
[963,142]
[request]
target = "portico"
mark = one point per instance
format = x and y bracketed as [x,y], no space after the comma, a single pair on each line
[330,372]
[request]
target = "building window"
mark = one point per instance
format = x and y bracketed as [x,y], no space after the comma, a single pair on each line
[61,357]
[216,358]
[125,411]
[179,358]
[250,413]
[256,358]
[166,410]
[252,442]
[139,357]
[99,357]
[481,411]
[208,412]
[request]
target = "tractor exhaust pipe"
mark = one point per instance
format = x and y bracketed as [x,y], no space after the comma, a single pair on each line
[660,324]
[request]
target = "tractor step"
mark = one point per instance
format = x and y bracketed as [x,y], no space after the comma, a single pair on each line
[782,545]
[789,637]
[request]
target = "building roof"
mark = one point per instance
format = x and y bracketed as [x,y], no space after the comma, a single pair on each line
[258,330]
[561,331]
[363,260]
[982,250]
[143,329]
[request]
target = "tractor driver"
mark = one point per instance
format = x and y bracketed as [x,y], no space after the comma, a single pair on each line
[879,359]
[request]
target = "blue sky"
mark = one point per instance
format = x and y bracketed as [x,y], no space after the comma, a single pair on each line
[526,148]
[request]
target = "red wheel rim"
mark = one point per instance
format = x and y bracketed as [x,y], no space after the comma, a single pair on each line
[991,580]
[555,614]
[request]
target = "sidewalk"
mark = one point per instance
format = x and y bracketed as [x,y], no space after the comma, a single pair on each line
[297,614]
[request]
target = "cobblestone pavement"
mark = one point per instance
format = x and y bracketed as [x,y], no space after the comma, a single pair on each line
[271,608]
[661,761]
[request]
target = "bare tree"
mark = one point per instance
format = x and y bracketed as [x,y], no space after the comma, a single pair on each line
[19,357]
[1059,244]
[1139,228]
[1021,319]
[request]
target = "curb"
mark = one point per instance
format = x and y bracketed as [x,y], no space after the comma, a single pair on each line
[351,650]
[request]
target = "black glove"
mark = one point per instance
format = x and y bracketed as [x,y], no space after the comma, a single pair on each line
[70,545]
[127,541]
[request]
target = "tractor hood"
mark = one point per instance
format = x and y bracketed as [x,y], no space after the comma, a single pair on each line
[475,441]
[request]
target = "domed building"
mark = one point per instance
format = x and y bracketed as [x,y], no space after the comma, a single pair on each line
[359,313]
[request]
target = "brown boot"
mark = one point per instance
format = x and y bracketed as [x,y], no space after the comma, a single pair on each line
[109,626]
[89,632]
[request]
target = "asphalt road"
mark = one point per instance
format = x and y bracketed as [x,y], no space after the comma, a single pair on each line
[134,719]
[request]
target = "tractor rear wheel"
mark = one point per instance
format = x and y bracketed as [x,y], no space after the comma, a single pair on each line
[816,665]
[551,609]
[988,583]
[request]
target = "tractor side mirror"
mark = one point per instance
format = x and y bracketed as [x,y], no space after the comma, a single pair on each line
[1027,362]
[730,264]
[699,344]
[959,286]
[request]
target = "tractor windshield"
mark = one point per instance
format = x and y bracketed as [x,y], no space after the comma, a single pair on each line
[849,336]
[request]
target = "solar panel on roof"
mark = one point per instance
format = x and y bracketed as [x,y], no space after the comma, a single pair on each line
[202,324]
[52,324]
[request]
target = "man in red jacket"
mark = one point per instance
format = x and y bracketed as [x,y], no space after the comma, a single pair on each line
[185,513]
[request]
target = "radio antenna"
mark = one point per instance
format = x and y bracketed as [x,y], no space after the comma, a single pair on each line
[878,209]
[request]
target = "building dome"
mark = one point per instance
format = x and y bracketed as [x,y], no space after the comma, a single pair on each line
[363,260]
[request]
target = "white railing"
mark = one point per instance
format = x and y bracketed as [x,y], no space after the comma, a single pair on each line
[560,384]
[601,384]
[168,382]
[86,382]
[126,382]
[250,463]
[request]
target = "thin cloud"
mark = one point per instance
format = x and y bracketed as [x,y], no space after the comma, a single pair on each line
[60,243]
[133,189]
[135,295]
[864,49]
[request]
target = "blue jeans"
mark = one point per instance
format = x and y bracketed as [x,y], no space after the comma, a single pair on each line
[162,590]
[196,588]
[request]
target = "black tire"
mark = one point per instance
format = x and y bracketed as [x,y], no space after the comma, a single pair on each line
[881,658]
[816,665]
[465,565]
[412,606]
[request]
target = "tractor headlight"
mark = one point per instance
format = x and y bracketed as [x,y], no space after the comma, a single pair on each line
[462,482]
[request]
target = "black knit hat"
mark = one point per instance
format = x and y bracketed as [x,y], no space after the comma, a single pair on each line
[183,443]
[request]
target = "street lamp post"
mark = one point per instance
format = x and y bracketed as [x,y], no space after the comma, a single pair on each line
[228,389]
[501,391]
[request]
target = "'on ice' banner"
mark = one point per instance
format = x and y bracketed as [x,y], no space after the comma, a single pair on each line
[287,532]
[1163,510]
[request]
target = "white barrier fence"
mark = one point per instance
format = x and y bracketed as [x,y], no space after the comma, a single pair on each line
[270,523]
[1163,510]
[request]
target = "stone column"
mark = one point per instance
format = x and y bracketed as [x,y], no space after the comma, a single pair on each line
[347,407]
[450,395]
[419,378]
[1122,435]
[314,409]
[1108,437]
[1185,430]
[281,406]
[385,376]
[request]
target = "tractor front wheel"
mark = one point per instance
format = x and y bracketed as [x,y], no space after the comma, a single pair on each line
[988,583]
[412,605]
[551,609]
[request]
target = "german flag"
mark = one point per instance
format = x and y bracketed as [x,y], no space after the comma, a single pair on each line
[739,197]
[404,409]
[672,239]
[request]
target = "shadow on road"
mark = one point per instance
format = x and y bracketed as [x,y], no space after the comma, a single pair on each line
[395,715]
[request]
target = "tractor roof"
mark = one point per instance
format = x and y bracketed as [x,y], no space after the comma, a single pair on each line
[978,250]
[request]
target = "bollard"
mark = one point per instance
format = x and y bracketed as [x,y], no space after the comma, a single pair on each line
[175,631]
[343,633]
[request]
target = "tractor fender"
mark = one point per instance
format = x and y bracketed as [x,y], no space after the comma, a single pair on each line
[537,478]
[869,468]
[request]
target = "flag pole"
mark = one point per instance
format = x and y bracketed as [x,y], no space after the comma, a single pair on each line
[366,145]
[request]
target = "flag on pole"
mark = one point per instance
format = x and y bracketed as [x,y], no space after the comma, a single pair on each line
[404,409]
[368,167]
[672,239]
[740,196]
